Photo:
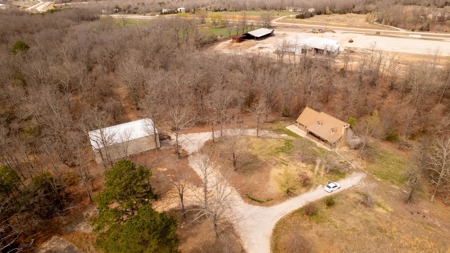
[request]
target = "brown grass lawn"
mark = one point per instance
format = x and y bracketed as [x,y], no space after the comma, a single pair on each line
[267,161]
[390,225]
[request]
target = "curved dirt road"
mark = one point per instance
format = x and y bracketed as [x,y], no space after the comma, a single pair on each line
[254,224]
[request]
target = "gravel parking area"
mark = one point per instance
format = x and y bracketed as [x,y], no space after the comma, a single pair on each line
[362,40]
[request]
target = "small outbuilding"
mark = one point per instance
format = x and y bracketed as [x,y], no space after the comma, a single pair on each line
[119,141]
[181,9]
[237,38]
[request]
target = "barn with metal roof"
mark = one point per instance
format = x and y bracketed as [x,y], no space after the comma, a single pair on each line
[119,141]
[260,33]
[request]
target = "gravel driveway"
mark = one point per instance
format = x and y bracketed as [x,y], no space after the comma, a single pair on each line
[254,224]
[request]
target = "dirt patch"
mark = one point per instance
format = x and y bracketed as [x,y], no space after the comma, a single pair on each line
[199,236]
[57,244]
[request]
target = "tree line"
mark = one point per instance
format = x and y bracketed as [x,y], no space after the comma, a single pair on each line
[338,6]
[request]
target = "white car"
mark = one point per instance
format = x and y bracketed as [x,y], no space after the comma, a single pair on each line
[331,186]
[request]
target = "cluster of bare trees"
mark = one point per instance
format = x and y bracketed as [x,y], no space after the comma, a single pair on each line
[431,166]
[409,14]
[420,17]
[339,6]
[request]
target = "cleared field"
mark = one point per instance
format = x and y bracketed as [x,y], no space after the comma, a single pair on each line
[344,20]
[252,14]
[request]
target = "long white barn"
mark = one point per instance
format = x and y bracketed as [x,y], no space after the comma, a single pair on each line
[119,141]
[313,45]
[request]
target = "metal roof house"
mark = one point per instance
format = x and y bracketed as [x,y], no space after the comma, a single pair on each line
[314,45]
[119,141]
[322,126]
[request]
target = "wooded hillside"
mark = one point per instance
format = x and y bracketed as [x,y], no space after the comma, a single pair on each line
[69,72]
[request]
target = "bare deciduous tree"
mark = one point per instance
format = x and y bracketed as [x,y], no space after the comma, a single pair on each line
[438,165]
[232,147]
[217,196]
[258,110]
[180,180]
[367,128]
[179,118]
[266,19]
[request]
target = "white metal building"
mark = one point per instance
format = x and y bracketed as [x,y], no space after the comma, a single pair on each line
[119,141]
[313,45]
[259,33]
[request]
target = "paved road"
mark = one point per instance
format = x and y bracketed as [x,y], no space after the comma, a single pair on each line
[42,6]
[255,224]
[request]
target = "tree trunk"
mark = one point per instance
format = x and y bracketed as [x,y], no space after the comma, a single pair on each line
[411,192]
[445,88]
[257,125]
[176,145]
[212,131]
[183,210]
[441,175]
[234,161]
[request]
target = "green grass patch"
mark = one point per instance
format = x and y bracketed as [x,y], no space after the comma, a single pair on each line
[224,31]
[387,165]
[337,175]
[287,132]
[287,148]
[254,199]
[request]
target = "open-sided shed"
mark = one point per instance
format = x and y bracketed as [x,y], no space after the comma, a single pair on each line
[119,141]
[260,33]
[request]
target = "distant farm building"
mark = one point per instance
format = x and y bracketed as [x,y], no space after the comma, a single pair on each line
[323,127]
[312,45]
[260,33]
[237,38]
[119,141]
[294,9]
[181,9]
[257,34]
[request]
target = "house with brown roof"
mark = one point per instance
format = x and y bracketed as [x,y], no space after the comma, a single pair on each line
[324,127]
